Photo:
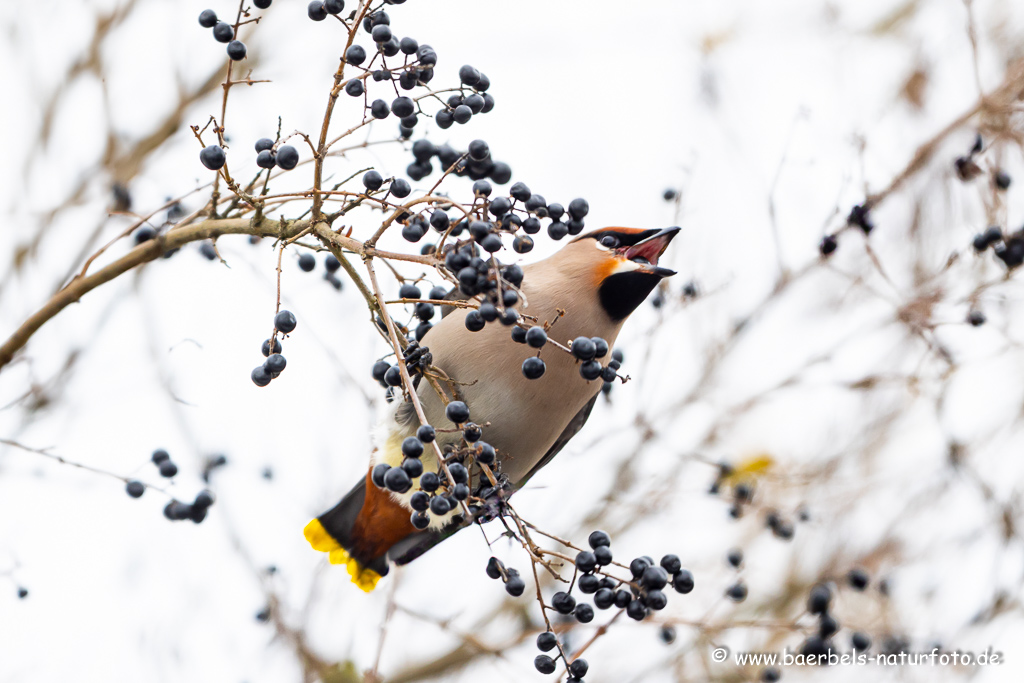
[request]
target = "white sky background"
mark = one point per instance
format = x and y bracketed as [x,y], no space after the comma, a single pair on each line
[609,101]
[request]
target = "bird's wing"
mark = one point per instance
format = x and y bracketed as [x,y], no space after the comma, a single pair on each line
[414,545]
[575,425]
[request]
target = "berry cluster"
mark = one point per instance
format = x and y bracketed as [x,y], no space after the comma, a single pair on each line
[416,69]
[196,510]
[417,359]
[476,163]
[639,595]
[737,592]
[223,32]
[177,510]
[435,494]
[284,323]
[1007,248]
[270,154]
[819,604]
[307,264]
[162,460]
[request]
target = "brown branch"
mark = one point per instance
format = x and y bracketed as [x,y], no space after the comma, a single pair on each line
[144,253]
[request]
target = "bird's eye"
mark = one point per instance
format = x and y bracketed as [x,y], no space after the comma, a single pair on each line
[610,241]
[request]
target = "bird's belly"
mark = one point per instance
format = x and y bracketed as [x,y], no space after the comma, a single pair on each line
[521,418]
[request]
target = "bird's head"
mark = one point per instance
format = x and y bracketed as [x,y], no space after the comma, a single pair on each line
[621,264]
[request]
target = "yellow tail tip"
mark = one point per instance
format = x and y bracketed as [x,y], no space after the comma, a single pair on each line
[318,537]
[365,578]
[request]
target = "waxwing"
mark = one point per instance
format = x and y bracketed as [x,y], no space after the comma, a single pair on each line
[586,289]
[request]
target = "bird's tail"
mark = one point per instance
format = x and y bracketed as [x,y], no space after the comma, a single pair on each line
[359,531]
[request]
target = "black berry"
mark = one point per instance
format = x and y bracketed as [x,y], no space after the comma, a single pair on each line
[135,488]
[544,664]
[207,18]
[285,321]
[223,33]
[236,50]
[287,157]
[457,412]
[533,367]
[213,157]
[316,11]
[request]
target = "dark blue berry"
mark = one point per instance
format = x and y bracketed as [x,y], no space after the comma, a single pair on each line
[515,586]
[579,667]
[429,481]
[396,479]
[439,505]
[135,488]
[412,447]
[266,159]
[393,377]
[586,562]
[636,610]
[584,613]
[285,321]
[377,475]
[213,157]
[400,188]
[671,563]
[546,641]
[478,150]
[578,208]
[533,367]
[591,370]
[654,578]
[413,467]
[223,33]
[355,55]
[403,107]
[655,599]
[236,50]
[563,602]
[819,599]
[275,364]
[260,377]
[287,157]
[457,412]
[379,109]
[557,230]
[544,664]
[737,592]
[419,520]
[316,10]
[598,538]
[372,180]
[207,18]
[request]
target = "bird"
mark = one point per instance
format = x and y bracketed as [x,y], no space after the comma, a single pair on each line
[587,288]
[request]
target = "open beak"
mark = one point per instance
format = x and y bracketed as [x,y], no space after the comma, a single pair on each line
[648,251]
